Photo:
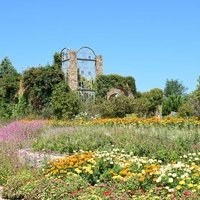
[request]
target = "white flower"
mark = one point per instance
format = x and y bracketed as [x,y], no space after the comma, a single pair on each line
[174,175]
[167,187]
[170,180]
[158,179]
[182,176]
[171,190]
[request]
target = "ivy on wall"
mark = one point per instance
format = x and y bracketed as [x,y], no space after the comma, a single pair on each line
[105,82]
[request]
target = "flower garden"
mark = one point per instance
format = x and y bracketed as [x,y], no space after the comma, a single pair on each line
[127,158]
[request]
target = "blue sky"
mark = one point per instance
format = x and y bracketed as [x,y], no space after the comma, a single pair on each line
[151,40]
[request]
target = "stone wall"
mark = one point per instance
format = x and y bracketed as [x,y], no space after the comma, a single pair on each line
[72,71]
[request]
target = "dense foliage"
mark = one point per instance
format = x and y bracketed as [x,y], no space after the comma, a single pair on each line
[9,85]
[195,100]
[35,94]
[105,82]
[39,84]
[174,92]
[65,104]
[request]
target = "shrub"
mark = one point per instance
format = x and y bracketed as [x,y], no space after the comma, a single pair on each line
[116,107]
[19,185]
[65,104]
[52,188]
[185,109]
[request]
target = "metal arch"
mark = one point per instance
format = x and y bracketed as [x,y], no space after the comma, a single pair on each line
[61,53]
[85,47]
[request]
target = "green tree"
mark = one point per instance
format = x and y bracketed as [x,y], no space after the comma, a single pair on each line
[155,97]
[148,103]
[6,68]
[39,84]
[57,61]
[174,87]
[65,104]
[195,100]
[9,85]
[174,96]
[172,104]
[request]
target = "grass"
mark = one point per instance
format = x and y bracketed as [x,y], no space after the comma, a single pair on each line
[163,143]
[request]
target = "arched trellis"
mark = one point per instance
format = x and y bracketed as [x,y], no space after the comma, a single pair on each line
[91,52]
[86,59]
[64,54]
[80,68]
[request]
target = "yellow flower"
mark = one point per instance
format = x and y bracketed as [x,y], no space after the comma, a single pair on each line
[142,178]
[117,177]
[190,185]
[77,170]
[182,182]
[88,169]
[55,171]
[178,187]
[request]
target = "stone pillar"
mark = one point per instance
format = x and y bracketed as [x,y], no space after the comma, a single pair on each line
[21,87]
[99,65]
[72,71]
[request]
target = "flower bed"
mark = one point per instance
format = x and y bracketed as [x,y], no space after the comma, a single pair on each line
[170,121]
[141,173]
[108,175]
[103,170]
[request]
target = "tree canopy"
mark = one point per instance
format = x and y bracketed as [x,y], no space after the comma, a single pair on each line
[9,85]
[174,87]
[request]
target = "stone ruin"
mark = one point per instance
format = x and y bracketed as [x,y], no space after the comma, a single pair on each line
[81,68]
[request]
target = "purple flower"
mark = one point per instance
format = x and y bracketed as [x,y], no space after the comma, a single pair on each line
[19,130]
